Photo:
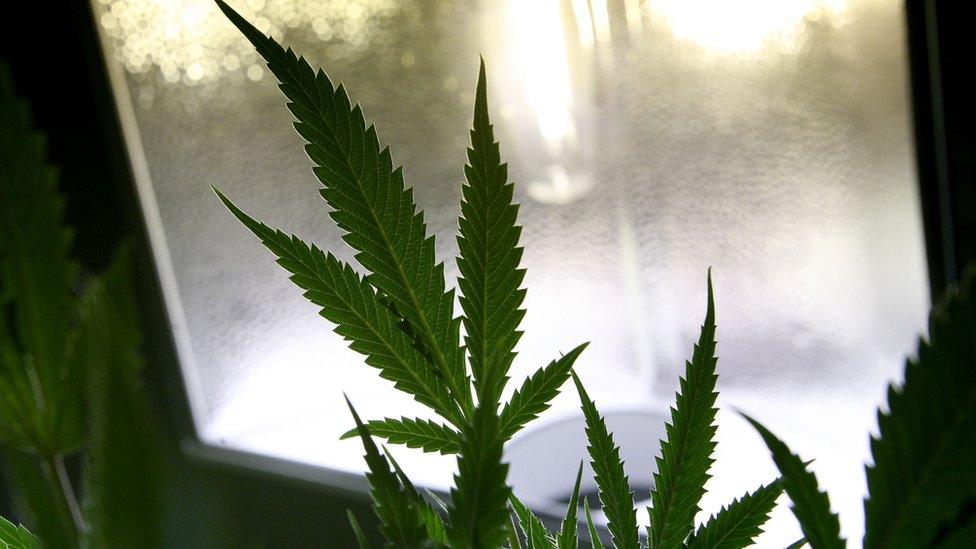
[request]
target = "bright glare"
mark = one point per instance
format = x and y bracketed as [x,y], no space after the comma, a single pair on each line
[543,63]
[601,19]
[743,26]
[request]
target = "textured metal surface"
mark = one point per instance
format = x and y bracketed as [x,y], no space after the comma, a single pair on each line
[647,145]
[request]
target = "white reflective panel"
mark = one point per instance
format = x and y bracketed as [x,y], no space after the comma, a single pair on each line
[768,139]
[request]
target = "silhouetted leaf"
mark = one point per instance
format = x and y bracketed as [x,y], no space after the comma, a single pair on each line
[399,520]
[371,205]
[413,433]
[608,469]
[568,532]
[686,452]
[737,525]
[821,528]
[536,534]
[536,392]
[925,453]
[489,254]
[348,300]
[595,542]
[432,520]
[478,515]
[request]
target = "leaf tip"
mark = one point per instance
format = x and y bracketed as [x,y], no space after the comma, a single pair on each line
[710,310]
[355,415]
[481,93]
[256,37]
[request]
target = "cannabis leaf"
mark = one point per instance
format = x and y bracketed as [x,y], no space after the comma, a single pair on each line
[686,452]
[41,382]
[536,392]
[536,535]
[737,525]
[357,530]
[478,515]
[122,476]
[514,541]
[810,505]
[608,469]
[348,300]
[371,205]
[413,433]
[399,521]
[923,457]
[429,517]
[400,315]
[434,524]
[960,537]
[69,367]
[488,239]
[41,387]
[15,536]
[568,532]
[594,535]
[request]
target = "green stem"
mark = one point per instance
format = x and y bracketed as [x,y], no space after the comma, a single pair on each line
[63,497]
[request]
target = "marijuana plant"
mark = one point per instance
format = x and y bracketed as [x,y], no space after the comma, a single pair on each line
[682,467]
[69,368]
[401,318]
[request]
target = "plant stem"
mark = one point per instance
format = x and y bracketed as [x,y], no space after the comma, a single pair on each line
[63,497]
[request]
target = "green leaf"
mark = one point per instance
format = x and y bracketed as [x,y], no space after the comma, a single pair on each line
[811,506]
[123,468]
[568,532]
[348,300]
[797,544]
[413,433]
[488,242]
[41,382]
[536,535]
[39,389]
[434,524]
[737,525]
[595,542]
[536,392]
[47,511]
[357,530]
[923,457]
[371,205]
[478,515]
[514,542]
[960,537]
[399,521]
[686,451]
[15,536]
[432,520]
[608,469]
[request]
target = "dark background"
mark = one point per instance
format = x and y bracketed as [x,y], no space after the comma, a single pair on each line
[53,53]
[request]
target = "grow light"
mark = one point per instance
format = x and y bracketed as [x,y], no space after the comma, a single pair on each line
[647,148]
